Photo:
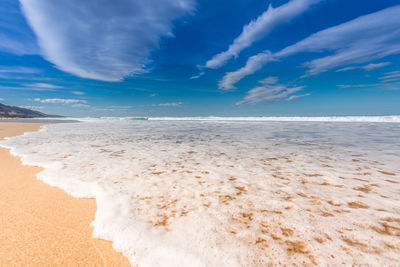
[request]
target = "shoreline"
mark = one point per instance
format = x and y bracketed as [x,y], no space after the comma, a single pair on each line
[43,225]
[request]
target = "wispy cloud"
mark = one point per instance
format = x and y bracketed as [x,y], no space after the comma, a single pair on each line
[104,41]
[363,39]
[253,64]
[261,27]
[60,101]
[18,70]
[367,85]
[197,76]
[39,108]
[43,85]
[171,104]
[33,87]
[270,90]
[15,35]
[78,92]
[373,66]
[389,79]
[26,88]
[368,67]
[120,107]
[293,97]
[1,99]
[80,106]
[19,73]
[390,76]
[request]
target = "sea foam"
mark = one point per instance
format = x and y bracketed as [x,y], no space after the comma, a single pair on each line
[218,192]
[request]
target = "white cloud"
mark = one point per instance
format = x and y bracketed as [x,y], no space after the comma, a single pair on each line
[43,85]
[153,95]
[373,66]
[197,76]
[348,68]
[39,108]
[102,40]
[24,88]
[17,47]
[18,69]
[368,85]
[270,90]
[293,97]
[388,79]
[253,64]
[363,39]
[120,107]
[60,101]
[172,104]
[33,87]
[391,76]
[80,106]
[15,35]
[1,99]
[19,73]
[368,67]
[269,80]
[77,92]
[358,85]
[260,27]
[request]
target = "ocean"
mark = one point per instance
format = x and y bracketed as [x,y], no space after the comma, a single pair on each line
[231,191]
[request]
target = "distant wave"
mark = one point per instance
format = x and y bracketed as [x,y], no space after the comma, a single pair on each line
[389,119]
[316,119]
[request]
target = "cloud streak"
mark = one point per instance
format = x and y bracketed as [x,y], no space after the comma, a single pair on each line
[172,104]
[18,70]
[368,67]
[363,39]
[60,101]
[253,64]
[15,35]
[197,76]
[293,97]
[388,79]
[38,108]
[269,91]
[391,76]
[261,27]
[101,39]
[77,92]
[43,86]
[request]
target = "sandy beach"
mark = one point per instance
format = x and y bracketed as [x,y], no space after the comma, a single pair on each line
[42,225]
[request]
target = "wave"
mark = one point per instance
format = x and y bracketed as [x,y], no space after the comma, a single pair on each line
[375,119]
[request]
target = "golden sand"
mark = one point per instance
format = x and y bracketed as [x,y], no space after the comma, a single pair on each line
[41,225]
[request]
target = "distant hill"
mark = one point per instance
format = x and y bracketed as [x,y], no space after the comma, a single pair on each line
[17,112]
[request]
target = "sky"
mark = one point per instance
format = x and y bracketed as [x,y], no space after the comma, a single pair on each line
[201,57]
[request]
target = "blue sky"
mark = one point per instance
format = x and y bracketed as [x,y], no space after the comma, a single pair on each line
[201,57]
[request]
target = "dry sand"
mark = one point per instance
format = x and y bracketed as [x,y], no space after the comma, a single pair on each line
[41,225]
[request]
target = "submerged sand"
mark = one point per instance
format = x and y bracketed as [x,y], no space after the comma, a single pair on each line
[42,225]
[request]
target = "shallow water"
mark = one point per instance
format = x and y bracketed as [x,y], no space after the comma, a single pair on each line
[231,193]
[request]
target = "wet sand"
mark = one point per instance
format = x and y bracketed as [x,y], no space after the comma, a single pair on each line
[42,225]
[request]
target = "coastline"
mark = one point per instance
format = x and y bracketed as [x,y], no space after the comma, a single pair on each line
[42,225]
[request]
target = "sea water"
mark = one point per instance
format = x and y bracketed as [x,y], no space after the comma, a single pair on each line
[231,192]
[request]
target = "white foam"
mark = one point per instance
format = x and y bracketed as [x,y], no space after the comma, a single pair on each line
[229,193]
